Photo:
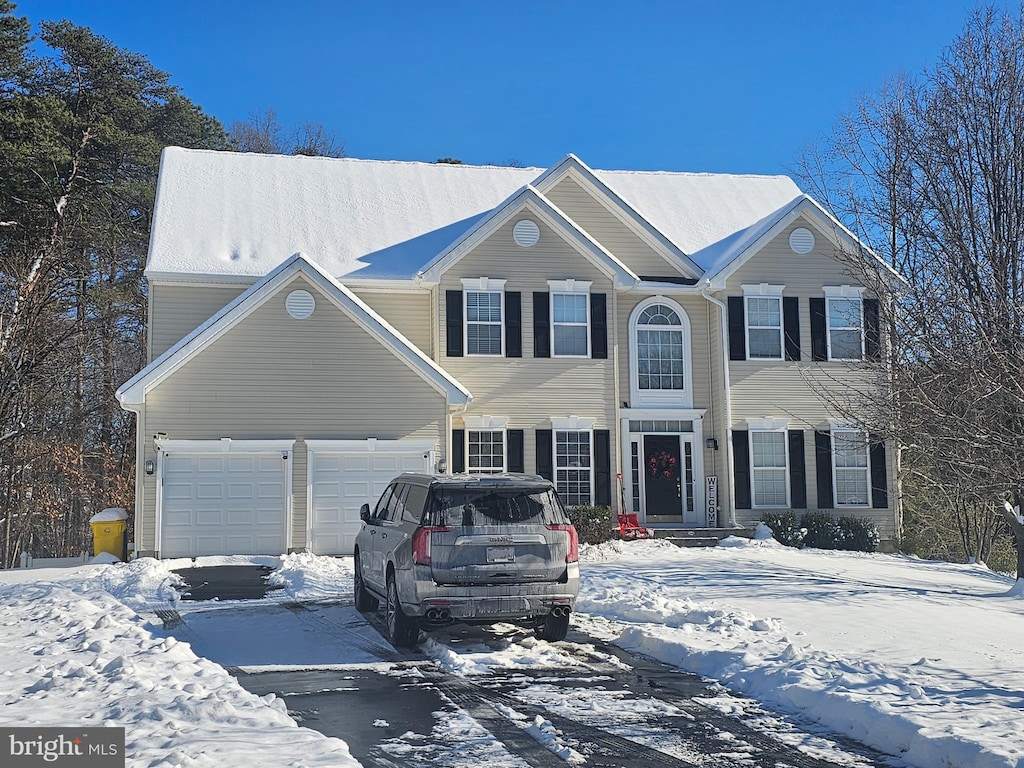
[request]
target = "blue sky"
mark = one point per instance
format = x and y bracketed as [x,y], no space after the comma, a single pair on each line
[737,87]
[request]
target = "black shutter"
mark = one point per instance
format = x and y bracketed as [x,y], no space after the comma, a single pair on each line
[879,474]
[453,318]
[545,460]
[737,330]
[823,468]
[541,324]
[741,467]
[791,326]
[598,326]
[872,337]
[602,468]
[458,450]
[819,341]
[516,462]
[513,324]
[797,470]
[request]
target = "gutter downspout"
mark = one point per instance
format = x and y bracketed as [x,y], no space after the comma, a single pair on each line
[729,459]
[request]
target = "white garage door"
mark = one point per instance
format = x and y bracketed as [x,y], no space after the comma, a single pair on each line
[344,475]
[227,503]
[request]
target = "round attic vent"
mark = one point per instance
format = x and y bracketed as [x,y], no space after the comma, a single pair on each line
[526,233]
[801,240]
[300,304]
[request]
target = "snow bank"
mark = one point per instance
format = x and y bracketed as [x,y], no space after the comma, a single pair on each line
[927,702]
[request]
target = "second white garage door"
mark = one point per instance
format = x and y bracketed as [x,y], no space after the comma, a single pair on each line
[344,475]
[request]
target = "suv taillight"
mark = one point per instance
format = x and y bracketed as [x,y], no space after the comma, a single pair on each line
[421,543]
[574,542]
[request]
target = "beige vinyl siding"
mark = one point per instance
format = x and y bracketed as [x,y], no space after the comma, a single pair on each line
[528,391]
[273,377]
[796,391]
[177,310]
[601,224]
[407,311]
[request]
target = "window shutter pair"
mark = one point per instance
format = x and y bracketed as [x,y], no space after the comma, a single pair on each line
[542,325]
[738,328]
[602,462]
[742,475]
[823,471]
[819,330]
[513,324]
[514,447]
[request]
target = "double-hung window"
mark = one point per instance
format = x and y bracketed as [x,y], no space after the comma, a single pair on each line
[570,317]
[574,466]
[845,321]
[485,445]
[769,467]
[764,321]
[851,468]
[485,316]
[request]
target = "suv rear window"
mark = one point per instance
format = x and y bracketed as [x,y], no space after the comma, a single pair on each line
[463,507]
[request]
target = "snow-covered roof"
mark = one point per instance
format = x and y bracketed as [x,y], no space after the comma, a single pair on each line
[240,215]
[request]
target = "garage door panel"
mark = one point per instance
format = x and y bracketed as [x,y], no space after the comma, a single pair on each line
[223,504]
[341,482]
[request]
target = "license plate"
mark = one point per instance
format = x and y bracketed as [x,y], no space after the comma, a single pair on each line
[501,555]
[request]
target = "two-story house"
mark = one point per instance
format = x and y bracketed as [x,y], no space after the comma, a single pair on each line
[650,341]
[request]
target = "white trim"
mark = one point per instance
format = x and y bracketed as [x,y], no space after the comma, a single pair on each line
[569,287]
[639,398]
[485,423]
[617,206]
[532,201]
[763,291]
[836,427]
[769,425]
[589,431]
[572,423]
[843,293]
[225,445]
[485,286]
[370,445]
[135,390]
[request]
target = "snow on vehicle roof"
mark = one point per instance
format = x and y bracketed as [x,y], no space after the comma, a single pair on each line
[239,215]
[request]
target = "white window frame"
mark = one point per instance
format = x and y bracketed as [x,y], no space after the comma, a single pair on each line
[862,436]
[574,425]
[654,398]
[774,426]
[573,288]
[770,292]
[843,293]
[482,285]
[491,425]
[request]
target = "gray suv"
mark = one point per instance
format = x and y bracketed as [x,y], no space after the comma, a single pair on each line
[478,549]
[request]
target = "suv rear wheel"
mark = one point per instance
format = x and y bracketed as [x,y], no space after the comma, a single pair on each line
[365,602]
[553,628]
[403,630]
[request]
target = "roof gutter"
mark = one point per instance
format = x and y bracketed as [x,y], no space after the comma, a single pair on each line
[729,458]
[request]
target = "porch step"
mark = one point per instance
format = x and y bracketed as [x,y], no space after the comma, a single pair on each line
[697,537]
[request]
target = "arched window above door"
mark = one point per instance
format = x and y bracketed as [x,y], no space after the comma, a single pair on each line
[660,371]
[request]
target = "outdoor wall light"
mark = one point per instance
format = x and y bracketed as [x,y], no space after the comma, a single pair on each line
[442,466]
[712,443]
[150,466]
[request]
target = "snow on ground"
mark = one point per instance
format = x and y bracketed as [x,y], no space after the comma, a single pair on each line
[917,659]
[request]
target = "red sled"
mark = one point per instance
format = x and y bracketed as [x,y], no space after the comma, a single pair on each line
[630,528]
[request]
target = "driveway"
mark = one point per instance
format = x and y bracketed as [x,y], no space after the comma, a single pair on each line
[468,695]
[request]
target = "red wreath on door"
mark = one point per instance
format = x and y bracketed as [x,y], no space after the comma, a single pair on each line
[663,464]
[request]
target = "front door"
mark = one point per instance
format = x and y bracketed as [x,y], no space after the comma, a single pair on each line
[663,478]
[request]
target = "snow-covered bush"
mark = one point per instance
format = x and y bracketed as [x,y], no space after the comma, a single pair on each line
[593,524]
[822,530]
[784,527]
[854,534]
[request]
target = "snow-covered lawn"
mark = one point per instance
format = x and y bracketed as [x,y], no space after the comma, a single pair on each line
[917,659]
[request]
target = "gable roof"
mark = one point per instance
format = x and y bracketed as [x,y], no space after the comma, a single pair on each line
[745,244]
[230,215]
[134,391]
[529,198]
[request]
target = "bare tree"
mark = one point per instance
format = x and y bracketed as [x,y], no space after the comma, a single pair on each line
[931,174]
[263,133]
